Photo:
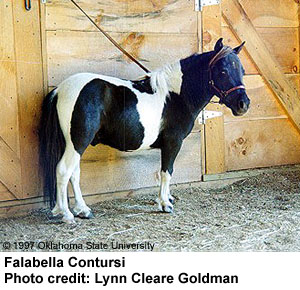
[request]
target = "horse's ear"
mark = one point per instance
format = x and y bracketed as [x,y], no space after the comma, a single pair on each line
[219,45]
[239,48]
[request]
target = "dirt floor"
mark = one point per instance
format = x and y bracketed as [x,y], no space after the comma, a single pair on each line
[258,213]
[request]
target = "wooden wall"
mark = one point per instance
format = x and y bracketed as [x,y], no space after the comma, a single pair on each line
[265,136]
[21,93]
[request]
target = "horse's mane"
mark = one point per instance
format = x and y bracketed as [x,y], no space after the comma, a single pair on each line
[222,53]
[166,79]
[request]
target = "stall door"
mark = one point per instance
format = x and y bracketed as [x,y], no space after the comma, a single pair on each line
[21,92]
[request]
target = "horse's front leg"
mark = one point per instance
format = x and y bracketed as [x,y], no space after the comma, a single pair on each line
[168,154]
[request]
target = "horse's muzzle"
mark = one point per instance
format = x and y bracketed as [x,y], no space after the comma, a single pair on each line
[242,105]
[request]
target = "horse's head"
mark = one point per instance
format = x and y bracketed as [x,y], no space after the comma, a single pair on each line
[226,78]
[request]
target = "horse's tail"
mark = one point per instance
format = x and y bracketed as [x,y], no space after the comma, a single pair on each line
[52,146]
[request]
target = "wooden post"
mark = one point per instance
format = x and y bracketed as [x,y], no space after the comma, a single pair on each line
[214,128]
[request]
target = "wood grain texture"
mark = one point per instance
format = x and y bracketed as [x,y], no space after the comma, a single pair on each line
[267,65]
[10,170]
[147,16]
[9,130]
[214,142]
[108,170]
[214,128]
[30,90]
[282,43]
[270,13]
[5,194]
[261,143]
[66,54]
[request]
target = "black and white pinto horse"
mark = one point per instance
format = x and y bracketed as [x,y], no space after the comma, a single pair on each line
[157,111]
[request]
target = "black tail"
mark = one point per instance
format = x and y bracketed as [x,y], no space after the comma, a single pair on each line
[52,146]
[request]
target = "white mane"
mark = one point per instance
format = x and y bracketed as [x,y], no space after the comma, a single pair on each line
[167,79]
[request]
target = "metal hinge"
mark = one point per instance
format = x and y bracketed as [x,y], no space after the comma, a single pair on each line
[199,4]
[204,115]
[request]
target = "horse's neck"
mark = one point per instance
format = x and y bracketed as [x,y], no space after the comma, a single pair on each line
[195,88]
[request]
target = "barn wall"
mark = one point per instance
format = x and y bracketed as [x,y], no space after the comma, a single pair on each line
[264,136]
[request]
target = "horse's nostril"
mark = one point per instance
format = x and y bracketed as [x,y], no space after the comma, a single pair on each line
[242,105]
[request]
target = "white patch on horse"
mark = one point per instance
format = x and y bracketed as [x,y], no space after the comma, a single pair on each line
[167,79]
[150,107]
[164,197]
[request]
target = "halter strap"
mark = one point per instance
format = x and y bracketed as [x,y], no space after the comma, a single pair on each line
[226,50]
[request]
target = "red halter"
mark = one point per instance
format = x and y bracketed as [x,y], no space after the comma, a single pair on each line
[221,94]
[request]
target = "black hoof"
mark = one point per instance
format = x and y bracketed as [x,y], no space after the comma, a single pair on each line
[167,209]
[89,216]
[172,200]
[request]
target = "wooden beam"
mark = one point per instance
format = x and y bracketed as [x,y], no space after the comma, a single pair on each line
[214,128]
[248,173]
[267,65]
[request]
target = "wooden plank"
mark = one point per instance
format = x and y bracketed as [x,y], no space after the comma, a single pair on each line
[267,65]
[294,80]
[268,13]
[261,143]
[249,173]
[214,128]
[8,87]
[30,90]
[44,47]
[282,43]
[299,40]
[201,127]
[67,56]
[233,175]
[10,169]
[108,170]
[3,188]
[5,194]
[147,16]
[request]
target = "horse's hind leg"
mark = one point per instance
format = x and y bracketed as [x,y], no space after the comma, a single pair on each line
[64,170]
[80,209]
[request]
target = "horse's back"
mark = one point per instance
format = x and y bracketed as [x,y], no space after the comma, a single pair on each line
[100,109]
